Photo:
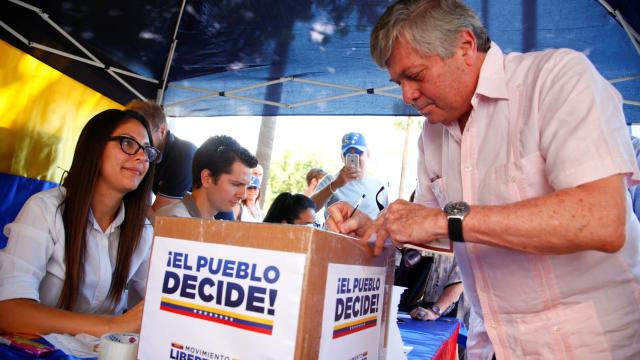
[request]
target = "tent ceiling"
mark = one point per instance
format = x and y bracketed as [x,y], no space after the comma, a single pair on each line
[288,57]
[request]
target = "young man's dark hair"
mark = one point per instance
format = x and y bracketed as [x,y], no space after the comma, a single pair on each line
[217,155]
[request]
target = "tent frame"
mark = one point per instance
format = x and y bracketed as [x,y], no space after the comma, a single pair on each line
[234,93]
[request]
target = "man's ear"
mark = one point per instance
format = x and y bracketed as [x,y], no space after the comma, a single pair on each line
[205,178]
[314,182]
[468,46]
[163,130]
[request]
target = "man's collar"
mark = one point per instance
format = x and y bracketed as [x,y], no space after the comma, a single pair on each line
[491,81]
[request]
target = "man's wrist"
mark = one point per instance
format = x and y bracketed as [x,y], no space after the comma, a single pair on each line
[331,188]
[335,184]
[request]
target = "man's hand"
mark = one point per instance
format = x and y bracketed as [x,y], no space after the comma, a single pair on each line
[421,313]
[347,174]
[407,222]
[339,220]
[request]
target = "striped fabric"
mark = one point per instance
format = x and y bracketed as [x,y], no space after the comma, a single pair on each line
[43,112]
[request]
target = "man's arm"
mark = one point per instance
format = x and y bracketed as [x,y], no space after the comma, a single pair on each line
[449,295]
[328,183]
[322,195]
[162,201]
[587,217]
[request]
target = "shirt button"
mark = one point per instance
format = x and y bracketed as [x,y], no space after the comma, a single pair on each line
[555,328]
[468,168]
[493,325]
[513,179]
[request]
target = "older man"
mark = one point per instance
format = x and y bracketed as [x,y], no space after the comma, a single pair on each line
[530,157]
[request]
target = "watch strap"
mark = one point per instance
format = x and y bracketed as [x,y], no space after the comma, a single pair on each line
[455,229]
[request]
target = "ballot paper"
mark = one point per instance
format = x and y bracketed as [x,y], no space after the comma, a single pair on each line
[80,346]
[440,246]
[395,347]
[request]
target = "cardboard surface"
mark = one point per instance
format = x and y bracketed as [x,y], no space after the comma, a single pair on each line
[282,315]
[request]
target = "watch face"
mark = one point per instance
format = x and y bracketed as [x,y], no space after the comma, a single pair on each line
[457,208]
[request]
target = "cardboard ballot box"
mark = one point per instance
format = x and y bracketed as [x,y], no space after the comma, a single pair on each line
[231,290]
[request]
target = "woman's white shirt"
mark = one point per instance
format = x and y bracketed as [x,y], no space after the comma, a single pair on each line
[247,216]
[32,264]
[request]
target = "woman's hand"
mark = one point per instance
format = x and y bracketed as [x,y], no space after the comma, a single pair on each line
[129,321]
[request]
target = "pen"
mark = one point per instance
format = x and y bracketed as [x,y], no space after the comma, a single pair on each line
[357,205]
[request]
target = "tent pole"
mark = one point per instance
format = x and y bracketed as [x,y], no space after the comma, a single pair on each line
[172,49]
[95,62]
[15,33]
[633,37]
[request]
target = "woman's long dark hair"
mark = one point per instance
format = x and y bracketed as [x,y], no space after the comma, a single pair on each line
[80,183]
[288,207]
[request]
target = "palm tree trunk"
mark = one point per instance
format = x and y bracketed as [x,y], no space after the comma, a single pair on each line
[268,124]
[405,159]
[263,151]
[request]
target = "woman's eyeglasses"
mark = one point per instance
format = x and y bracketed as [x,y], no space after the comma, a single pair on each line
[130,146]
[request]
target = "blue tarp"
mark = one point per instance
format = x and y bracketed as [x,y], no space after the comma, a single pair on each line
[18,189]
[226,45]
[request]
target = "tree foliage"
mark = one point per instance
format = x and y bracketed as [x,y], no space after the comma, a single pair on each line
[288,174]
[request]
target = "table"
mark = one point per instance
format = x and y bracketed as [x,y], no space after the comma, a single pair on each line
[431,339]
[7,353]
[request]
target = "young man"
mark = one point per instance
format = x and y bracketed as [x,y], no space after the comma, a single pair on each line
[221,171]
[314,175]
[529,155]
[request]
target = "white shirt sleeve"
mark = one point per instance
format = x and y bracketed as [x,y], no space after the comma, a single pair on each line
[424,192]
[23,262]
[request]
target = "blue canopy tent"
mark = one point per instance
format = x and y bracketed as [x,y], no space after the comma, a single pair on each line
[210,58]
[286,57]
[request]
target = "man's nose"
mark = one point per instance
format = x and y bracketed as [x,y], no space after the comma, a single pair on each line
[409,92]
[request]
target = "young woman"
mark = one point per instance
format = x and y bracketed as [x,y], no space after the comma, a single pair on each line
[73,249]
[249,209]
[292,209]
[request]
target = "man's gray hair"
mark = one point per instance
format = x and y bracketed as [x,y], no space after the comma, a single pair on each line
[430,26]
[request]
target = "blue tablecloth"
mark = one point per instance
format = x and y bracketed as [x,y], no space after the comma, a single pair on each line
[426,337]
[7,353]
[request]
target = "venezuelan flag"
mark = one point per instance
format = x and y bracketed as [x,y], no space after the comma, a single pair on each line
[354,326]
[228,318]
[43,112]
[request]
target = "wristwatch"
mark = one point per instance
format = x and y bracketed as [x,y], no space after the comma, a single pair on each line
[436,309]
[456,211]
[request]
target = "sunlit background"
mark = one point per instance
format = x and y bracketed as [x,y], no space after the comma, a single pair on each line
[302,142]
